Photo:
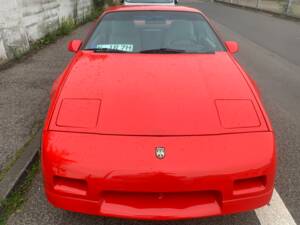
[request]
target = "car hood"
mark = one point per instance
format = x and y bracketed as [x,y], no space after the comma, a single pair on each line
[156,94]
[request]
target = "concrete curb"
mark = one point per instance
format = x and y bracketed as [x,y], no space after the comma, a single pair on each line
[12,177]
[279,15]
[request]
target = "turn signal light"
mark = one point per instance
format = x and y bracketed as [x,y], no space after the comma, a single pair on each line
[70,186]
[249,185]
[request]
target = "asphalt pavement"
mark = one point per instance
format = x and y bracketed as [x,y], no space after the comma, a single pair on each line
[24,95]
[269,51]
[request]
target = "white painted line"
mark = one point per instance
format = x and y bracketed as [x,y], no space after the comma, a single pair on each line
[276,213]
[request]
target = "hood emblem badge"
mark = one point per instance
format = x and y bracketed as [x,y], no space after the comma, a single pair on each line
[160,152]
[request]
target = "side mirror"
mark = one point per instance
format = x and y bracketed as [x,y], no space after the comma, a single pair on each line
[176,2]
[122,1]
[74,45]
[232,46]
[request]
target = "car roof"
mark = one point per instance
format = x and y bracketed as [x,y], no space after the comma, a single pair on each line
[121,8]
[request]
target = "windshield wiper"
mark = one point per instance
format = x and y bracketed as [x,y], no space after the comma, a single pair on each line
[109,50]
[163,50]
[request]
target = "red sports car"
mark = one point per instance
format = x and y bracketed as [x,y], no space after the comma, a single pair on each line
[154,119]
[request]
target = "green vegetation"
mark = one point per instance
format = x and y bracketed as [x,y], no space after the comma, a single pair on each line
[68,25]
[18,196]
[101,3]
[34,130]
[65,27]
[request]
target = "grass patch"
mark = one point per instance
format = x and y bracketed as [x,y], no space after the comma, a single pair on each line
[65,27]
[18,196]
[35,128]
[101,3]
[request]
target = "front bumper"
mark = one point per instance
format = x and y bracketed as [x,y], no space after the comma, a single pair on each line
[120,176]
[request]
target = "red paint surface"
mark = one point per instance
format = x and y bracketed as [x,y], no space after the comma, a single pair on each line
[109,112]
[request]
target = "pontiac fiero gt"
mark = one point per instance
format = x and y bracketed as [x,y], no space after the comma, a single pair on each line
[155,119]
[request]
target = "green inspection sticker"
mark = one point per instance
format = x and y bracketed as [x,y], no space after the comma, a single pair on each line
[121,47]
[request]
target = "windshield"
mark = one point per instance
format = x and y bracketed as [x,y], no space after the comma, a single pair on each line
[154,32]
